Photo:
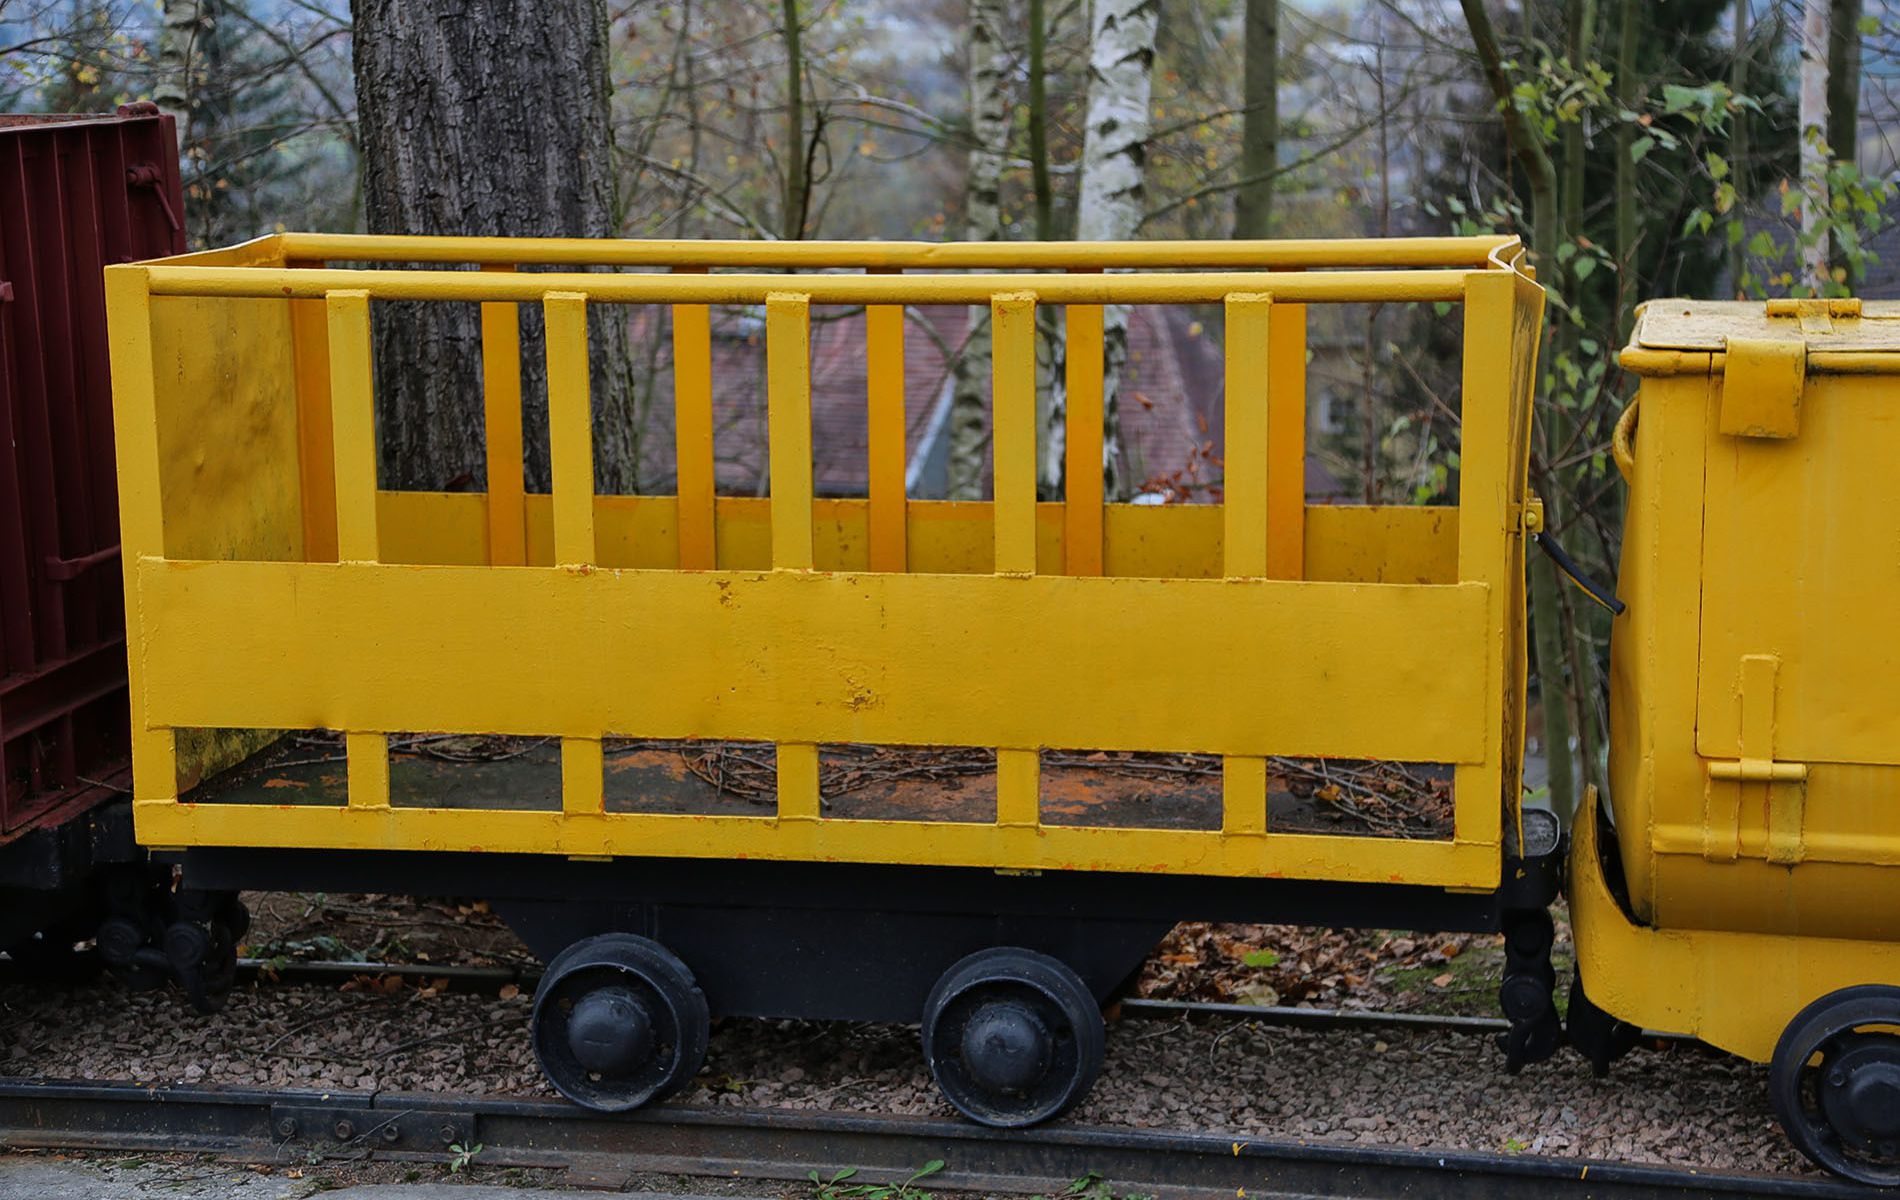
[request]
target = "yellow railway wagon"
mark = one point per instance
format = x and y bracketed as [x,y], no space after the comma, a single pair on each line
[1741,882]
[272,586]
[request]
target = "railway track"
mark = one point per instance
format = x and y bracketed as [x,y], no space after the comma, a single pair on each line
[319,973]
[777,1144]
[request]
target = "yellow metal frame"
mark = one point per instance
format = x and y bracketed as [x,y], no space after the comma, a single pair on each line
[800,621]
[1736,990]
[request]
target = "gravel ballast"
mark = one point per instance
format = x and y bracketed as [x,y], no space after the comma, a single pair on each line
[1682,1106]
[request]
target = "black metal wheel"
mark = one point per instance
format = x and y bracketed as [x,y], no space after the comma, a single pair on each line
[1012,1037]
[619,1022]
[1835,1083]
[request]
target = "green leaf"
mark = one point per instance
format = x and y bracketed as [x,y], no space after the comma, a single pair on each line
[1585,267]
[1640,147]
[1718,166]
[1261,958]
[1678,99]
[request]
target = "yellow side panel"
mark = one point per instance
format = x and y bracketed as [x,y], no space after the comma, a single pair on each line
[228,444]
[1300,668]
[1801,559]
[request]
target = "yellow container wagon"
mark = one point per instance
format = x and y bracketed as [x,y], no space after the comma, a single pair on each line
[271,586]
[1743,882]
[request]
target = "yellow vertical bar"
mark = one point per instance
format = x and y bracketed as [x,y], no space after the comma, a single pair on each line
[1082,447]
[797,781]
[353,425]
[693,432]
[570,428]
[1013,429]
[581,778]
[501,416]
[1492,344]
[1018,788]
[1243,794]
[1244,486]
[141,515]
[309,349]
[884,370]
[571,457]
[368,755]
[1250,392]
[788,421]
[1013,442]
[788,431]
[1286,443]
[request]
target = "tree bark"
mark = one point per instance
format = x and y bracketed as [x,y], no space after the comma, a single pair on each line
[1740,169]
[1628,90]
[1813,135]
[797,199]
[1113,187]
[1843,94]
[181,32]
[1548,635]
[1260,127]
[492,120]
[982,222]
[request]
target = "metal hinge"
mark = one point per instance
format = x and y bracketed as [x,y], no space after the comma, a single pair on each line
[1763,377]
[1782,787]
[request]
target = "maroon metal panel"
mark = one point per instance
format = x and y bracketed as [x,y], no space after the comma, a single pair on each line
[76,194]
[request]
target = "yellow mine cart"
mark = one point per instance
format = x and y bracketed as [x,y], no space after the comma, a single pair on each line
[1743,882]
[1253,665]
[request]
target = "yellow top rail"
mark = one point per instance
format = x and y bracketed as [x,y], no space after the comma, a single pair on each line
[1173,287]
[244,398]
[1288,254]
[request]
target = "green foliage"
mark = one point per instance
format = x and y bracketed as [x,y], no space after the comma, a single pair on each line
[462,1156]
[836,1188]
[1092,1186]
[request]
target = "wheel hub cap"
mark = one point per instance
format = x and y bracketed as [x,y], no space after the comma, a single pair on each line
[610,1031]
[1006,1047]
[1860,1091]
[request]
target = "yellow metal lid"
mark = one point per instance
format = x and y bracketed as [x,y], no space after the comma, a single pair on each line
[1708,325]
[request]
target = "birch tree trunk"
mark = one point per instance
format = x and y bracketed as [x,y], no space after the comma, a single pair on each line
[1813,120]
[1843,95]
[181,29]
[487,119]
[1113,193]
[1260,127]
[982,222]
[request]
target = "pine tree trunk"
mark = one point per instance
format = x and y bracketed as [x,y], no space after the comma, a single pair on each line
[1260,127]
[1113,189]
[983,222]
[487,119]
[1813,129]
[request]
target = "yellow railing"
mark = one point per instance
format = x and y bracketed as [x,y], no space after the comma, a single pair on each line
[319,627]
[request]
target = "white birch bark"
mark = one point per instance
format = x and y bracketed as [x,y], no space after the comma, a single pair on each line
[1113,196]
[181,28]
[1813,120]
[989,129]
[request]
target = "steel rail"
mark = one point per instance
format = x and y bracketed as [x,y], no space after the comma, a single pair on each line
[782,1144]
